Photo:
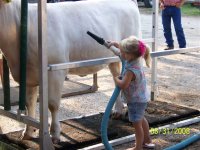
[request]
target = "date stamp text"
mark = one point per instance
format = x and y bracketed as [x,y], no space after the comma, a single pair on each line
[165,131]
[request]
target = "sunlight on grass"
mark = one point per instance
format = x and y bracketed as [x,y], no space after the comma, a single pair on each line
[189,10]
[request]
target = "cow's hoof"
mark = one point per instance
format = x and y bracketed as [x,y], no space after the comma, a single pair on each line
[120,116]
[55,140]
[115,115]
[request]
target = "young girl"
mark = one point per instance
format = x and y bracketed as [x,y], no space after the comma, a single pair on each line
[134,87]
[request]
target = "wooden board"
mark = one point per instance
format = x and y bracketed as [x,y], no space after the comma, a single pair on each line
[72,88]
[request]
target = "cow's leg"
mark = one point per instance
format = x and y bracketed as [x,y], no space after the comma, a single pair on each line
[55,80]
[95,83]
[1,71]
[118,108]
[31,100]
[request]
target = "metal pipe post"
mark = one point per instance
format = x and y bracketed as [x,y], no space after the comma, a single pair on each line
[45,140]
[6,85]
[23,54]
[154,48]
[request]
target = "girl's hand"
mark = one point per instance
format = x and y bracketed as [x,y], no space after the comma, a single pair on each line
[162,6]
[114,47]
[178,5]
[117,79]
[113,43]
[120,77]
[125,81]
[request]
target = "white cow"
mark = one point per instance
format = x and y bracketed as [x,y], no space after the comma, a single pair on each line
[67,24]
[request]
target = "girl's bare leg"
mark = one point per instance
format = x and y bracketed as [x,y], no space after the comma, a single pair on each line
[145,126]
[139,135]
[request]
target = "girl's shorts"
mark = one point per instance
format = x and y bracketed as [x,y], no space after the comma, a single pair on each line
[136,111]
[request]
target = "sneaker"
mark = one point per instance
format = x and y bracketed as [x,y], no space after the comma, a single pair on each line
[149,145]
[169,47]
[183,47]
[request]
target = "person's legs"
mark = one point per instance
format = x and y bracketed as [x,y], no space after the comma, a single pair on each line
[139,135]
[166,21]
[136,116]
[178,27]
[145,126]
[147,143]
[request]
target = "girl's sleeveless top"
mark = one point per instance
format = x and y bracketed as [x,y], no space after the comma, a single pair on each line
[137,90]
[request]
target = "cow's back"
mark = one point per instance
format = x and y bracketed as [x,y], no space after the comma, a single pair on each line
[68,23]
[113,19]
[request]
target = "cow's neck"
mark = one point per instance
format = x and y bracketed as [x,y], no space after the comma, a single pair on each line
[9,34]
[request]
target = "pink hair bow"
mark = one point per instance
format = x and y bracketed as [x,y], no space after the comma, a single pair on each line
[141,48]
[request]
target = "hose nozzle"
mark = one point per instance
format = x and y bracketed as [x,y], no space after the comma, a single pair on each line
[97,38]
[103,42]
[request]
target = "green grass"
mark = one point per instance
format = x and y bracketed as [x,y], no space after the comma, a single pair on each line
[186,10]
[189,10]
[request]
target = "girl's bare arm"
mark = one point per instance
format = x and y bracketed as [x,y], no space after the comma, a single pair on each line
[124,83]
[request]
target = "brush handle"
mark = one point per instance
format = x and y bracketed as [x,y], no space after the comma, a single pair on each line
[114,49]
[101,41]
[97,38]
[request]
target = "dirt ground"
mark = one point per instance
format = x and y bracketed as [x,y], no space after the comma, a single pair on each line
[178,79]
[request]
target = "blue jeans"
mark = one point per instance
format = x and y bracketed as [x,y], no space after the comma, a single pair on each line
[174,13]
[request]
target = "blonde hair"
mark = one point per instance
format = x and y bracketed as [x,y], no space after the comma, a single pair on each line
[132,45]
